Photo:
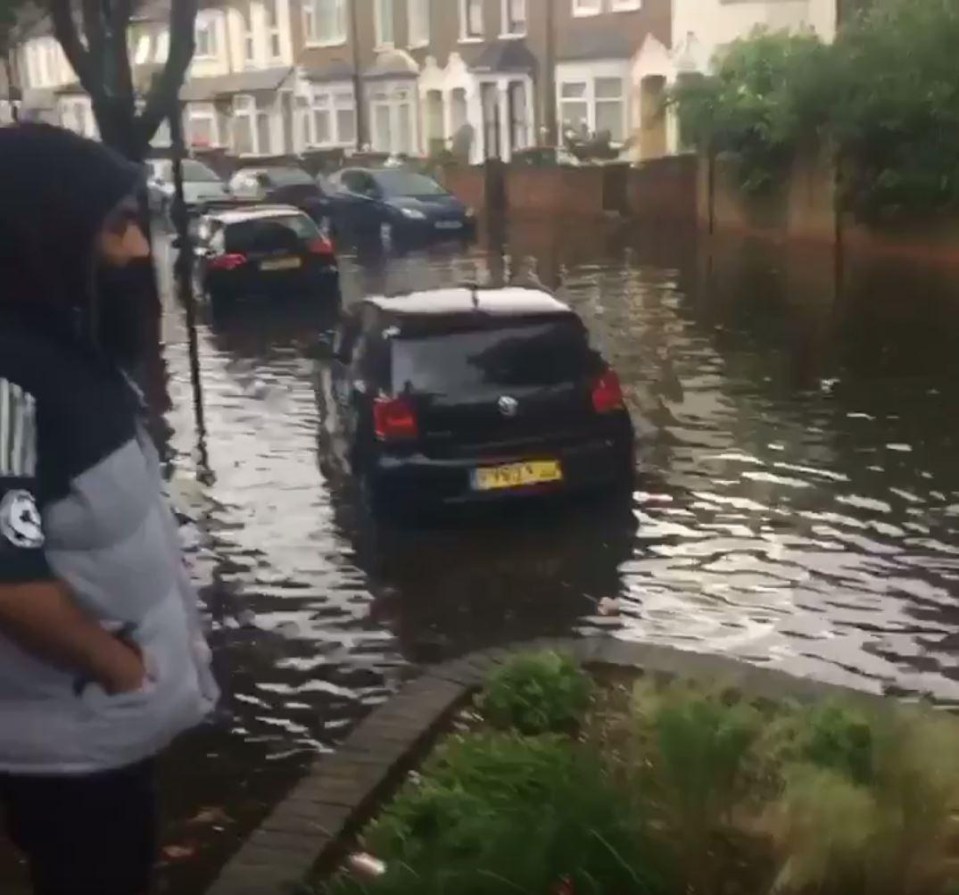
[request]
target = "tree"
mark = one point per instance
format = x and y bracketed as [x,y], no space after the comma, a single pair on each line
[9,18]
[97,48]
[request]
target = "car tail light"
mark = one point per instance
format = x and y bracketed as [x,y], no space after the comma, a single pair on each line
[228,262]
[394,419]
[321,246]
[608,393]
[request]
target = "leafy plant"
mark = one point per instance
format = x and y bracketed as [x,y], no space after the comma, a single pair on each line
[537,693]
[698,745]
[769,95]
[500,813]
[871,806]
[883,96]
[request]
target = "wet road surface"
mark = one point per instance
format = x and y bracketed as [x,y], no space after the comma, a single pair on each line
[797,503]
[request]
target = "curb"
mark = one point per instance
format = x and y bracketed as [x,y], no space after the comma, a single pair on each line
[309,829]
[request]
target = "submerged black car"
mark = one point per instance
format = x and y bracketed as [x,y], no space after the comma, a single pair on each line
[395,206]
[466,394]
[275,251]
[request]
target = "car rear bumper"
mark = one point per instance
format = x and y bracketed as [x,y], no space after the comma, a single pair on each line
[320,282]
[591,465]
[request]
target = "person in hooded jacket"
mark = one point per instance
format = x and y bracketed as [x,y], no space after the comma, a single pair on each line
[102,657]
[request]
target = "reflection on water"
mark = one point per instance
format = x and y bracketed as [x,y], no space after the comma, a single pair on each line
[796,506]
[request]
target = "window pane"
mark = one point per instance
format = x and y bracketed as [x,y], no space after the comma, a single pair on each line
[516,13]
[609,88]
[573,91]
[474,18]
[609,117]
[384,21]
[321,126]
[201,131]
[381,116]
[263,133]
[242,135]
[346,126]
[406,128]
[575,115]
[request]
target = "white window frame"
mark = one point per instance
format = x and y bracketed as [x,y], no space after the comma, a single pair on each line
[247,35]
[244,107]
[580,75]
[626,5]
[505,7]
[331,98]
[311,16]
[394,96]
[465,36]
[274,37]
[384,14]
[584,8]
[418,22]
[204,25]
[204,112]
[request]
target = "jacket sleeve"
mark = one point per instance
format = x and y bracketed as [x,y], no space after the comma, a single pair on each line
[22,556]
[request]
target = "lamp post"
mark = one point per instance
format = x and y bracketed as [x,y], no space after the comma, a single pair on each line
[361,140]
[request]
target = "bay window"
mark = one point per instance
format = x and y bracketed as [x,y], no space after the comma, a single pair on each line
[333,116]
[594,104]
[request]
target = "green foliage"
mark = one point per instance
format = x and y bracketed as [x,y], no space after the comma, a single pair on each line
[896,109]
[681,788]
[500,813]
[884,96]
[536,693]
[767,97]
[869,806]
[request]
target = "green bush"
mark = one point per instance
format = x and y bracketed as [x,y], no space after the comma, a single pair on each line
[884,97]
[870,808]
[497,813]
[536,693]
[768,97]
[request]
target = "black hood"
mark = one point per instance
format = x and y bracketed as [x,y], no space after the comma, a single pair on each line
[56,191]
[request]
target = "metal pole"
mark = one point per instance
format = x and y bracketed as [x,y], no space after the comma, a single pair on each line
[358,97]
[184,276]
[549,77]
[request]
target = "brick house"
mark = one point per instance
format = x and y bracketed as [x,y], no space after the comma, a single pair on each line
[480,69]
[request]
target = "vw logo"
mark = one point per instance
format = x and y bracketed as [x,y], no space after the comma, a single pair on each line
[508,406]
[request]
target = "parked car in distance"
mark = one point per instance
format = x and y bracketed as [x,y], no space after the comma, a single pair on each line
[472,395]
[397,207]
[275,251]
[201,184]
[284,185]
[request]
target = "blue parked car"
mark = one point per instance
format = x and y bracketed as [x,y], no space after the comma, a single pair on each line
[396,207]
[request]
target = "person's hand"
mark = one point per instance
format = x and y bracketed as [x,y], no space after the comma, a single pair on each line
[122,671]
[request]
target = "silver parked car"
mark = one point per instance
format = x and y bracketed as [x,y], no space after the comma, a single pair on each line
[200,184]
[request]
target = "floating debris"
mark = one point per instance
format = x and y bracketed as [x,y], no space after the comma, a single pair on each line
[364,866]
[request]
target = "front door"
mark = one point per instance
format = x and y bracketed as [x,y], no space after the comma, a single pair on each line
[492,122]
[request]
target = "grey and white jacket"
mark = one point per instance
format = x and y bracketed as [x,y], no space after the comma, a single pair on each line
[81,501]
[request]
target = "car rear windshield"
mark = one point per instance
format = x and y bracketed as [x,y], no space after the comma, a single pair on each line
[263,234]
[533,355]
[289,177]
[197,172]
[407,183]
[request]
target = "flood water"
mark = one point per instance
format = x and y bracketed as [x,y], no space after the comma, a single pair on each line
[797,503]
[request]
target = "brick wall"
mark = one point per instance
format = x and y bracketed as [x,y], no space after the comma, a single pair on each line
[663,191]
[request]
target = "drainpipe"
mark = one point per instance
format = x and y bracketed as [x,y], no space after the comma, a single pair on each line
[361,140]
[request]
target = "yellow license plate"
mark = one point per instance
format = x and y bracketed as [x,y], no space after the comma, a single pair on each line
[517,475]
[281,264]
